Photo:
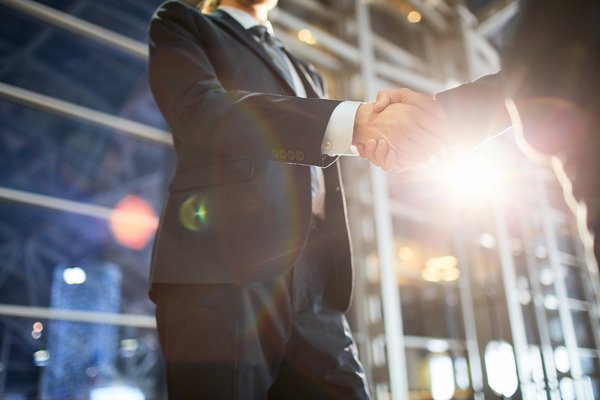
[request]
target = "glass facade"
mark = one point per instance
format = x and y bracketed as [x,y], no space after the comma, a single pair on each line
[494,289]
[491,292]
[75,320]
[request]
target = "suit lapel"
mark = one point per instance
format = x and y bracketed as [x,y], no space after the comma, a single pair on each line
[237,30]
[312,89]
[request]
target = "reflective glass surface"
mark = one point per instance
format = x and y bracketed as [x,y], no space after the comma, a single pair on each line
[75,319]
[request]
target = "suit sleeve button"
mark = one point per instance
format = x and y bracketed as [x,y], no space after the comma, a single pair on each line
[300,155]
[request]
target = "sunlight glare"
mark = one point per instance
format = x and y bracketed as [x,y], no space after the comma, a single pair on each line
[472,178]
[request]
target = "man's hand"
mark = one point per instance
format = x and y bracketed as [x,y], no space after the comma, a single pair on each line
[402,129]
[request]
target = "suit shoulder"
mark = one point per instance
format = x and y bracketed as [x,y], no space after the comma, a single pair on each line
[177,17]
[177,11]
[172,7]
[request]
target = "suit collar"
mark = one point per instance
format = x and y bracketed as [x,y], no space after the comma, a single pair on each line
[237,29]
[246,20]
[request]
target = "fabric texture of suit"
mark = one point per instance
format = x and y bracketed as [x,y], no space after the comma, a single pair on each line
[552,63]
[239,206]
[550,68]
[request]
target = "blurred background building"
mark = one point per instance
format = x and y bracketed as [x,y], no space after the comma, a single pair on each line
[472,282]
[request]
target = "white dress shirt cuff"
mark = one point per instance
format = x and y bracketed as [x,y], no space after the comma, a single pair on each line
[338,134]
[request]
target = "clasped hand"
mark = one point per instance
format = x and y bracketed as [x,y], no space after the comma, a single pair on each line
[402,129]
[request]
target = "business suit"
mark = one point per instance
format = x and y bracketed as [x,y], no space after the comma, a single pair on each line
[552,64]
[550,69]
[237,223]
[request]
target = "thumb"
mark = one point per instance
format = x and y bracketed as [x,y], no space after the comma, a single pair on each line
[385,98]
[381,102]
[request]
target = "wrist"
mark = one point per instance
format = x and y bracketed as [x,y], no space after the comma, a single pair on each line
[361,123]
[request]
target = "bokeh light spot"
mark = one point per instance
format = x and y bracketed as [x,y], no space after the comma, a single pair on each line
[441,269]
[405,253]
[41,358]
[38,326]
[306,36]
[501,368]
[133,222]
[414,17]
[74,276]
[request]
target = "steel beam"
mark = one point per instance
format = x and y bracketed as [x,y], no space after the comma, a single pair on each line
[71,110]
[92,317]
[79,26]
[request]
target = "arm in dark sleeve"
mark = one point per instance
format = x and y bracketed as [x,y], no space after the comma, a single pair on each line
[476,111]
[551,62]
[208,119]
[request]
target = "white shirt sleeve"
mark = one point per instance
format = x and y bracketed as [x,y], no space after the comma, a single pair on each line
[338,134]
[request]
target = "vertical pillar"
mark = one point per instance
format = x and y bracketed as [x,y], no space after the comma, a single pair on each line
[396,358]
[4,359]
[564,310]
[466,301]
[515,313]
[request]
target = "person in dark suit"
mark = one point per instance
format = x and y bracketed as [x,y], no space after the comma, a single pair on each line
[549,79]
[551,74]
[251,268]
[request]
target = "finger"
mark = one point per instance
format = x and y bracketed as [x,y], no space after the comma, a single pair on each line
[408,118]
[406,96]
[361,149]
[381,153]
[435,126]
[390,160]
[370,148]
[385,98]
[438,131]
[421,141]
[412,152]
[397,95]
[426,103]
[403,163]
[381,102]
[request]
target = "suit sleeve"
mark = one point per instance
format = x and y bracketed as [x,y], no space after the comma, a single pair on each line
[476,111]
[207,119]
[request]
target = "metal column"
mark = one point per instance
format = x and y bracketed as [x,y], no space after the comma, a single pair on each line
[396,357]
[515,313]
[564,309]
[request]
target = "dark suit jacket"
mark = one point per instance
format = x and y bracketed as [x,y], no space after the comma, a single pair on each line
[551,65]
[239,205]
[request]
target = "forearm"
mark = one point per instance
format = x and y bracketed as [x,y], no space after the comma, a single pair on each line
[209,117]
[258,125]
[476,111]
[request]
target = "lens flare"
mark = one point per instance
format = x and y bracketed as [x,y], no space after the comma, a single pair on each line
[472,177]
[193,213]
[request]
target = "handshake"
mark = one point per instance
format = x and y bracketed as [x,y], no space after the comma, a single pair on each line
[402,129]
